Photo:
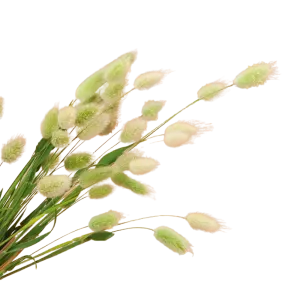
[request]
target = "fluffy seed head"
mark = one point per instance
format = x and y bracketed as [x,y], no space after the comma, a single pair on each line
[50,123]
[147,80]
[54,185]
[201,221]
[173,240]
[142,165]
[186,132]
[256,75]
[67,117]
[151,109]
[120,68]
[113,92]
[101,191]
[176,140]
[90,85]
[211,90]
[51,162]
[60,138]
[126,182]
[105,221]
[13,149]
[93,176]
[3,103]
[114,117]
[94,127]
[123,161]
[86,112]
[133,130]
[77,161]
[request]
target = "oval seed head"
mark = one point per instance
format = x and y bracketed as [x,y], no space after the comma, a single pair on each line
[3,104]
[142,165]
[133,130]
[173,240]
[123,161]
[94,127]
[67,117]
[50,123]
[114,117]
[256,75]
[211,90]
[90,85]
[135,186]
[54,185]
[51,162]
[60,138]
[202,221]
[113,92]
[176,140]
[101,191]
[77,161]
[13,149]
[105,221]
[147,80]
[181,132]
[93,176]
[151,109]
[117,70]
[86,112]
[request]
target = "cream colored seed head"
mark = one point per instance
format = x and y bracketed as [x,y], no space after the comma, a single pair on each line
[50,123]
[211,90]
[54,185]
[67,117]
[60,138]
[133,130]
[202,221]
[151,109]
[13,149]
[147,80]
[142,165]
[105,221]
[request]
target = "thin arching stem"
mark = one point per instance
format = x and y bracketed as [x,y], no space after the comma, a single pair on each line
[133,228]
[107,141]
[150,217]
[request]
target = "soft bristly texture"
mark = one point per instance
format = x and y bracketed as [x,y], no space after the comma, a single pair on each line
[150,79]
[100,191]
[151,109]
[77,161]
[67,117]
[54,185]
[50,123]
[105,221]
[1,107]
[93,176]
[133,130]
[142,165]
[86,112]
[13,149]
[60,138]
[211,90]
[172,240]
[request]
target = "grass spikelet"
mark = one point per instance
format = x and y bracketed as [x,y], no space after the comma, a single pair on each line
[123,161]
[114,119]
[86,112]
[1,107]
[147,80]
[142,165]
[105,221]
[133,130]
[151,109]
[77,161]
[93,176]
[50,123]
[67,117]
[13,149]
[113,92]
[100,191]
[211,90]
[54,185]
[60,138]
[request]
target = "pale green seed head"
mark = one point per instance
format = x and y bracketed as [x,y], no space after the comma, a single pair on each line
[50,123]
[105,221]
[101,191]
[256,75]
[67,117]
[152,108]
[90,85]
[147,80]
[60,138]
[133,130]
[181,126]
[51,162]
[202,222]
[113,92]
[135,186]
[176,140]
[78,161]
[117,70]
[87,112]
[94,127]
[214,90]
[142,165]
[123,161]
[54,185]
[1,107]
[173,240]
[13,149]
[93,176]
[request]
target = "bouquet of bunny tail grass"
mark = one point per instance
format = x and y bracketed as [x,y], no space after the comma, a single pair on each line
[95,112]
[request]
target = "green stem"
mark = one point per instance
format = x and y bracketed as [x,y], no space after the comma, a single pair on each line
[169,119]
[50,253]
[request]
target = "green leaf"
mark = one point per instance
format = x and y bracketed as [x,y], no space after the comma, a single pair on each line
[101,236]
[111,157]
[15,263]
[29,243]
[40,145]
[36,240]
